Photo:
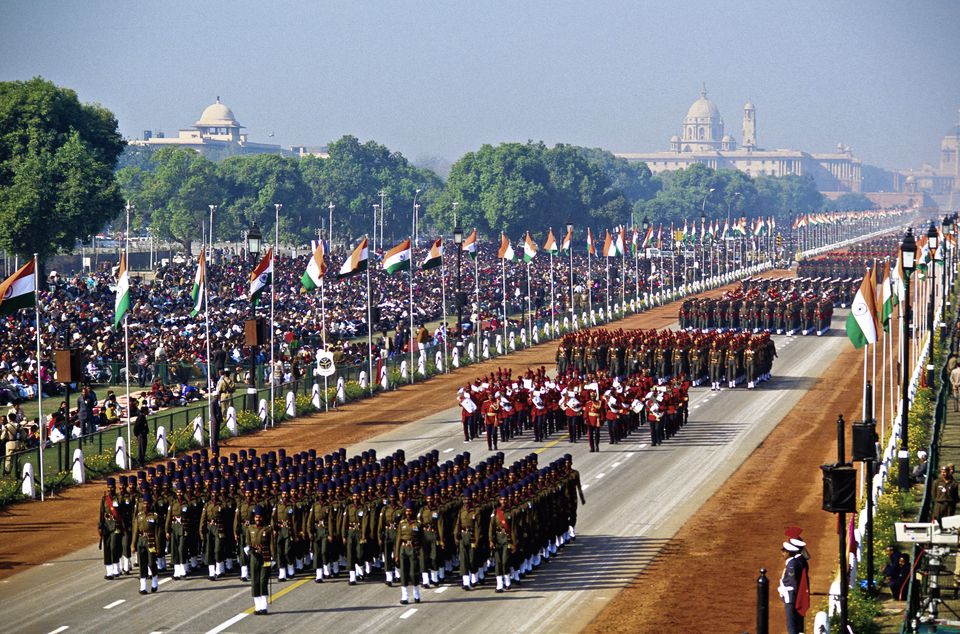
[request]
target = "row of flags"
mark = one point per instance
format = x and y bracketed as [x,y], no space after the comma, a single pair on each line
[881,291]
[834,217]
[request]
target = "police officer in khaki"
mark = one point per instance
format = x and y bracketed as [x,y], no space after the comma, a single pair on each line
[11,434]
[407,553]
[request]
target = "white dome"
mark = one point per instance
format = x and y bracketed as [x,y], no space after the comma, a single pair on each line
[675,139]
[727,138]
[217,115]
[703,108]
[748,105]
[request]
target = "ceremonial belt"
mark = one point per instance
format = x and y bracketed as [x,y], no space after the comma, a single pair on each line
[407,544]
[353,526]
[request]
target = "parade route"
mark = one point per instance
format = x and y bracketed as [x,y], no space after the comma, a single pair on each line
[638,497]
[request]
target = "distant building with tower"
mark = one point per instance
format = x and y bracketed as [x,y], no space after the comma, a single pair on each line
[941,183]
[217,134]
[702,139]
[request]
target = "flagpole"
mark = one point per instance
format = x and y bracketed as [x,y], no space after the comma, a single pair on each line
[572,302]
[476,286]
[589,277]
[273,297]
[126,336]
[410,311]
[623,279]
[503,283]
[323,337]
[607,261]
[370,335]
[206,324]
[636,277]
[529,310]
[553,316]
[443,301]
[36,310]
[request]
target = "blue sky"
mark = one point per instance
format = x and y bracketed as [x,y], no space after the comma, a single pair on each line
[442,78]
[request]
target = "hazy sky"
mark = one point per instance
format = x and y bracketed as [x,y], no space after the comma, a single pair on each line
[442,78]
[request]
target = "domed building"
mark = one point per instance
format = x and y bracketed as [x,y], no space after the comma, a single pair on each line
[702,139]
[216,134]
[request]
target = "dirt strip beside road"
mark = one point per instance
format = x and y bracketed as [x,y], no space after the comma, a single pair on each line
[705,579]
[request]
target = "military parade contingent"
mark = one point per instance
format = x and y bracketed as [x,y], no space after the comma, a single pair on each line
[278,516]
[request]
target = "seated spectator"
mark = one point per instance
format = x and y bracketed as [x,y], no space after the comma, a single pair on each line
[895,575]
[919,472]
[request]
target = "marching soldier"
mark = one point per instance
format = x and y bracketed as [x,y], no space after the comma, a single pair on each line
[466,533]
[259,540]
[353,528]
[593,418]
[407,551]
[491,419]
[212,533]
[716,366]
[430,522]
[177,528]
[242,518]
[390,516]
[111,529]
[503,542]
[146,531]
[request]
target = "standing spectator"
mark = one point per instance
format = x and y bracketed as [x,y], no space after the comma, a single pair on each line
[955,384]
[85,404]
[12,443]
[140,429]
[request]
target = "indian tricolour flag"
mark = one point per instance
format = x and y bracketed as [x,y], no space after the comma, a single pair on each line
[469,245]
[550,246]
[397,258]
[316,268]
[888,298]
[121,304]
[862,320]
[435,256]
[18,290]
[647,238]
[620,243]
[591,250]
[529,249]
[357,261]
[567,240]
[609,247]
[506,251]
[199,282]
[261,276]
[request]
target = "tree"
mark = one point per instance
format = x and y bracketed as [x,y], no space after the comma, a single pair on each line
[786,196]
[504,188]
[850,202]
[56,168]
[175,195]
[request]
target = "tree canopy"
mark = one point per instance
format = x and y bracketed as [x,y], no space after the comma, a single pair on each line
[57,157]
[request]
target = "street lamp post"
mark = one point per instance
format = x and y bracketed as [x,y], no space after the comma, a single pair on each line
[376,210]
[908,254]
[933,241]
[645,225]
[330,225]
[254,242]
[457,243]
[945,292]
[416,219]
[570,250]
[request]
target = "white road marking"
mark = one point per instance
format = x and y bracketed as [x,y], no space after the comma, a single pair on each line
[600,475]
[448,450]
[228,623]
[49,564]
[60,629]
[441,589]
[643,445]
[164,580]
[585,486]
[405,615]
[114,604]
[615,465]
[156,632]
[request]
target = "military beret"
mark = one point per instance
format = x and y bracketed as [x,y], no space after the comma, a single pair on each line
[258,510]
[111,482]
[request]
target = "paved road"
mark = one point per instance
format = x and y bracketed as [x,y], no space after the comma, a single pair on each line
[637,498]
